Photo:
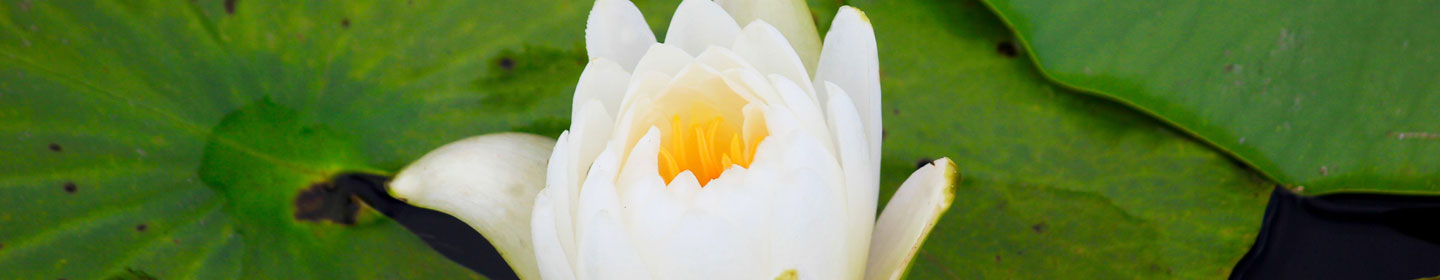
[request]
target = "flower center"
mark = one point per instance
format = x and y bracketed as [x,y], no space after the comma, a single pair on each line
[705,147]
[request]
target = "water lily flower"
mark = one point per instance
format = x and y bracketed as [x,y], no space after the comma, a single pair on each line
[739,148]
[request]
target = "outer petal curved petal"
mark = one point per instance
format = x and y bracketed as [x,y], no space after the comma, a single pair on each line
[663,58]
[498,175]
[699,24]
[862,180]
[597,194]
[550,255]
[909,217]
[791,17]
[849,60]
[563,188]
[603,81]
[649,210]
[765,48]
[606,252]
[703,246]
[617,31]
[808,207]
[589,131]
[805,110]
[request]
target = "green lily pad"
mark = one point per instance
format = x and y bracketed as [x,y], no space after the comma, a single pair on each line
[196,139]
[191,139]
[1328,95]
[1057,184]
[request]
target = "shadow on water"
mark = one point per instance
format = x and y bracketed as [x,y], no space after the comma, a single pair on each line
[1345,236]
[451,237]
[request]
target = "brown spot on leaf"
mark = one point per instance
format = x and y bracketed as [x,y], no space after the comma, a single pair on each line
[1007,49]
[141,227]
[70,187]
[507,63]
[55,147]
[997,258]
[1039,228]
[1229,68]
[325,202]
[230,7]
[345,23]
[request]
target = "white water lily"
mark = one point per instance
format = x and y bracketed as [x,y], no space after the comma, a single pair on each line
[718,154]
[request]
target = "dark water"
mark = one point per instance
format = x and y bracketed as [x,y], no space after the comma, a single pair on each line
[1345,236]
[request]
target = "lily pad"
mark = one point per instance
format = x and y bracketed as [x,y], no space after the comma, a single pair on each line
[1057,184]
[197,139]
[1328,95]
[215,123]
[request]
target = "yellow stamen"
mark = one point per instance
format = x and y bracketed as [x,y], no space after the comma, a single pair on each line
[702,149]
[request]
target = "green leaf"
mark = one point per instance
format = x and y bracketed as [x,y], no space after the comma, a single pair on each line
[1057,184]
[208,123]
[1329,95]
[196,139]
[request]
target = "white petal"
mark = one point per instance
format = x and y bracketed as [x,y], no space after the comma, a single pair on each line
[636,111]
[703,84]
[747,206]
[721,58]
[563,187]
[806,109]
[649,211]
[754,124]
[550,255]
[862,175]
[642,164]
[766,49]
[779,120]
[603,81]
[606,252]
[791,17]
[488,181]
[597,194]
[683,187]
[849,60]
[617,31]
[808,212]
[699,24]
[589,131]
[663,58]
[703,246]
[909,217]
[751,82]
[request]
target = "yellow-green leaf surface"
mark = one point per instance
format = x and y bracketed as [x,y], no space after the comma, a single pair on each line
[205,122]
[175,138]
[1329,95]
